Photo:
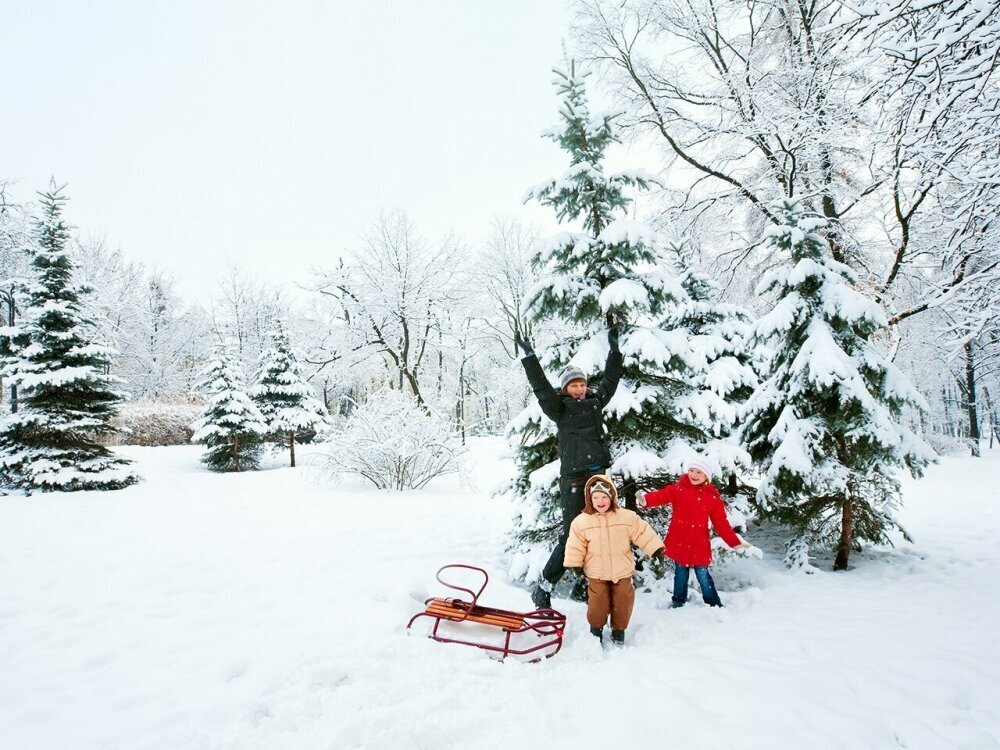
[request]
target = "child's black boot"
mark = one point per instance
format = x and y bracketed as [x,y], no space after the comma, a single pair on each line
[618,637]
[598,633]
[541,598]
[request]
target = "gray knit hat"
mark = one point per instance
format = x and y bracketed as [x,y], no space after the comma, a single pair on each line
[570,374]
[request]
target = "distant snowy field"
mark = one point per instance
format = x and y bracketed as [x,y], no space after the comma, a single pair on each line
[267,610]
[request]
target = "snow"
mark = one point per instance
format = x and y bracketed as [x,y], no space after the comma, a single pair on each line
[655,347]
[825,364]
[628,232]
[591,354]
[56,377]
[781,318]
[637,461]
[265,610]
[622,293]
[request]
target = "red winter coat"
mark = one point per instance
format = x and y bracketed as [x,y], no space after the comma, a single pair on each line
[687,542]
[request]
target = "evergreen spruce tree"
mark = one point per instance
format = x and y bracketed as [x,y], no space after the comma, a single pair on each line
[231,426]
[718,332]
[66,399]
[283,396]
[824,426]
[610,273]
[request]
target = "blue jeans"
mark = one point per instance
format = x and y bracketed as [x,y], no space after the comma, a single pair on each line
[708,592]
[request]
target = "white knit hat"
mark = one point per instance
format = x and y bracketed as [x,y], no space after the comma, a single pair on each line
[701,464]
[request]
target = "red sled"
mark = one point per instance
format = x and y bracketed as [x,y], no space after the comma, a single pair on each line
[546,626]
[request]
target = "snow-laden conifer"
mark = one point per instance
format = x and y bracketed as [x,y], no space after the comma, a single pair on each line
[66,399]
[824,425]
[283,396]
[231,426]
[610,272]
[718,332]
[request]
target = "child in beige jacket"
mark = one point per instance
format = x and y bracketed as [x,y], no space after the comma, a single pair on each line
[600,541]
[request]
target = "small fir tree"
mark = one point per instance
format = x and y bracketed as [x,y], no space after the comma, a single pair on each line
[66,399]
[231,426]
[610,274]
[718,332]
[284,397]
[824,426]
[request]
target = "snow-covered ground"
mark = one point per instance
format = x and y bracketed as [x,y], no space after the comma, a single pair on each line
[267,610]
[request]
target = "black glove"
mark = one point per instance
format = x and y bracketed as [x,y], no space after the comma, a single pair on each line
[658,564]
[523,344]
[578,571]
[613,338]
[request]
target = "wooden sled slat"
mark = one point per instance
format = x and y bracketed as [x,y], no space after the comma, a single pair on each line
[459,611]
[545,626]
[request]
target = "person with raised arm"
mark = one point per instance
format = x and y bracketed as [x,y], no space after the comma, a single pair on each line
[578,412]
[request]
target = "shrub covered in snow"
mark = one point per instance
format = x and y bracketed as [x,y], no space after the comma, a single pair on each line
[393,443]
[157,422]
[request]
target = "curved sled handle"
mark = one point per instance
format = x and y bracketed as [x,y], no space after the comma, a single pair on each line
[475,595]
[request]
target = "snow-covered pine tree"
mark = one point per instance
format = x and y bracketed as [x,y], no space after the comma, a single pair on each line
[718,332]
[66,399]
[611,273]
[231,426]
[824,426]
[283,396]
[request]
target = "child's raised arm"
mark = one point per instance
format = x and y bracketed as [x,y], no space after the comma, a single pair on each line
[544,392]
[612,369]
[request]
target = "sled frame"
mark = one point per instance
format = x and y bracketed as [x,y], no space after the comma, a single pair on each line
[547,625]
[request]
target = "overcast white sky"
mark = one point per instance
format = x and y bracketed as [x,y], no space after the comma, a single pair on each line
[194,134]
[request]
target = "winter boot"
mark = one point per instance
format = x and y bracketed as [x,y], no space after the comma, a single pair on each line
[618,637]
[598,633]
[540,596]
[579,592]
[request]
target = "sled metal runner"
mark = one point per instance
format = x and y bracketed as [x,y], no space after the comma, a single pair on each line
[545,626]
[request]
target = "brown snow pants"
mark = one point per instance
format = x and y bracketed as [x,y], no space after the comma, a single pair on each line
[610,598]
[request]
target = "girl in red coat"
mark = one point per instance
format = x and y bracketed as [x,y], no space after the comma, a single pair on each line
[696,502]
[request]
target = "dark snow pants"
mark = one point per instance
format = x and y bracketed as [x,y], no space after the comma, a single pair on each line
[571,499]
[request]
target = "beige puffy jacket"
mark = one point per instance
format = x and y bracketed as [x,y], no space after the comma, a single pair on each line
[601,543]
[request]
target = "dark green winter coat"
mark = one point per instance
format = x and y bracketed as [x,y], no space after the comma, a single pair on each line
[579,422]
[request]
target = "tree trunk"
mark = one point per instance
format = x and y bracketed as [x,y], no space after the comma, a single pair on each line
[846,533]
[291,447]
[970,398]
[11,319]
[990,407]
[629,491]
[461,394]
[236,452]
